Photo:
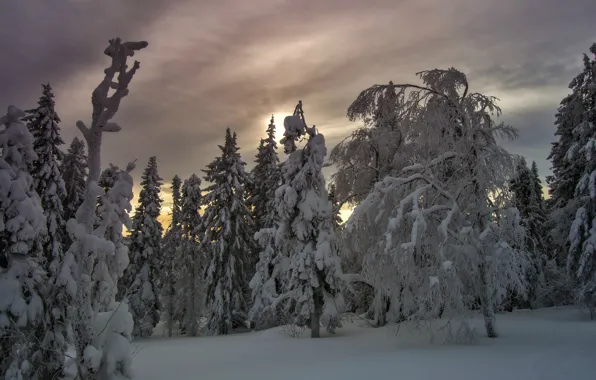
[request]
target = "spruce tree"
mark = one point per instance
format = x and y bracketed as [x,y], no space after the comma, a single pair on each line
[42,122]
[573,184]
[337,220]
[228,240]
[170,253]
[266,178]
[190,293]
[141,276]
[22,222]
[49,185]
[530,206]
[305,232]
[74,173]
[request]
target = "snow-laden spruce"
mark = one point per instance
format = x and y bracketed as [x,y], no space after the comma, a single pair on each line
[140,279]
[171,260]
[22,222]
[441,235]
[49,185]
[304,235]
[228,240]
[528,198]
[74,173]
[266,178]
[93,264]
[189,284]
[573,184]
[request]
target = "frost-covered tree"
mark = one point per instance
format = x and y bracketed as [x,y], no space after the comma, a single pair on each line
[305,234]
[573,184]
[141,276]
[74,173]
[442,234]
[49,185]
[367,155]
[22,222]
[266,178]
[228,240]
[93,264]
[189,282]
[170,253]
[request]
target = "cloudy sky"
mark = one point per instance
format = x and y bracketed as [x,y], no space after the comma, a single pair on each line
[217,63]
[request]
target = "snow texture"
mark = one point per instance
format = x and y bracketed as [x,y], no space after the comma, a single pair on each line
[532,347]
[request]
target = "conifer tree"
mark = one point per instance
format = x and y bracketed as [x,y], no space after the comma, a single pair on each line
[337,221]
[42,122]
[305,232]
[573,184]
[190,292]
[49,185]
[228,240]
[141,276]
[538,187]
[22,223]
[266,178]
[171,246]
[74,173]
[530,206]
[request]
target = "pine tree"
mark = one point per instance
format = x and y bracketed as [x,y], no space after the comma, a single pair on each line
[305,231]
[171,248]
[192,257]
[140,279]
[266,178]
[49,185]
[228,240]
[573,184]
[74,173]
[22,222]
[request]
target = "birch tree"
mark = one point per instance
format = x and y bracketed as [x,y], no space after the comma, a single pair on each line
[101,336]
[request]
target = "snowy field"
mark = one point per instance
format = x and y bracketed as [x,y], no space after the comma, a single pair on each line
[547,344]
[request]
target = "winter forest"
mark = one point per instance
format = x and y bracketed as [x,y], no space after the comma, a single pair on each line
[449,233]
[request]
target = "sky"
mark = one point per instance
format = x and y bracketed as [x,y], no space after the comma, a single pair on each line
[211,64]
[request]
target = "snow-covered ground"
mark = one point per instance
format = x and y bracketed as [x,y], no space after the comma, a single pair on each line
[547,344]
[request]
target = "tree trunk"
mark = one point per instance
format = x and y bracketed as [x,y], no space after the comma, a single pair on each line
[488,310]
[315,316]
[191,323]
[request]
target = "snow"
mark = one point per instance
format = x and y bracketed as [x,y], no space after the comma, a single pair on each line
[547,344]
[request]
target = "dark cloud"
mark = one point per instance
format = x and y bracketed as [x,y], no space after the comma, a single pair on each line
[212,64]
